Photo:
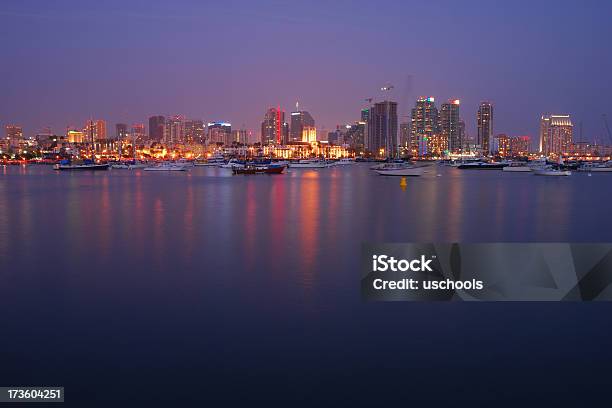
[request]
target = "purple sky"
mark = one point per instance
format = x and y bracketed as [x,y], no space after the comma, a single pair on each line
[64,61]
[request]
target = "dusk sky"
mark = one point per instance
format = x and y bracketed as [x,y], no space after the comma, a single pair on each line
[66,61]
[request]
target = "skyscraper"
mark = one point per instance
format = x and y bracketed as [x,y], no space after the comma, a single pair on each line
[174,130]
[556,134]
[382,129]
[273,127]
[240,136]
[95,129]
[156,128]
[121,131]
[449,125]
[219,132]
[423,125]
[138,132]
[485,127]
[299,119]
[194,131]
[13,132]
[404,137]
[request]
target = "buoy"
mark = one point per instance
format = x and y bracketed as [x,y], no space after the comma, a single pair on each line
[403,183]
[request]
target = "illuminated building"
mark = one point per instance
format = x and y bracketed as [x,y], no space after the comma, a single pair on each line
[75,136]
[449,125]
[365,114]
[404,138]
[96,128]
[194,131]
[381,139]
[121,131]
[14,135]
[219,133]
[484,120]
[309,134]
[138,132]
[156,128]
[424,126]
[355,136]
[174,130]
[299,120]
[501,145]
[556,134]
[240,136]
[274,129]
[520,145]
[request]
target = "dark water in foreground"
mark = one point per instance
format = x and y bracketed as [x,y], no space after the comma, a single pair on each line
[175,288]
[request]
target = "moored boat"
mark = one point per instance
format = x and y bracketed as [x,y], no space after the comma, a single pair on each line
[482,166]
[549,171]
[165,167]
[407,171]
[308,164]
[86,165]
[517,167]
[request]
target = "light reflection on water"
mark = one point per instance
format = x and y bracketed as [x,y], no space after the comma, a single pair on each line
[219,274]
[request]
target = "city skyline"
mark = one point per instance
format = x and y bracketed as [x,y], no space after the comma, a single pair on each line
[127,66]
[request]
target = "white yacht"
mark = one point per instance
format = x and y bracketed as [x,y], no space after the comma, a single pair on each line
[517,167]
[597,167]
[549,171]
[405,171]
[345,161]
[166,167]
[308,164]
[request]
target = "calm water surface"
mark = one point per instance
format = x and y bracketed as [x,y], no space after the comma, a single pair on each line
[173,288]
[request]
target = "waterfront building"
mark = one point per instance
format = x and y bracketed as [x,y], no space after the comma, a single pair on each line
[355,136]
[174,130]
[274,129]
[75,136]
[240,136]
[424,127]
[309,134]
[382,129]
[194,131]
[13,136]
[138,132]
[501,145]
[121,131]
[219,133]
[156,128]
[299,120]
[556,134]
[520,145]
[449,125]
[484,120]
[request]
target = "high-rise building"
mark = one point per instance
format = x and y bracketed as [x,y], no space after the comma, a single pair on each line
[382,129]
[365,114]
[240,136]
[156,128]
[14,134]
[501,145]
[121,131]
[194,131]
[556,134]
[299,119]
[449,125]
[484,120]
[219,132]
[138,132]
[355,136]
[424,126]
[520,145]
[274,129]
[404,138]
[95,129]
[174,130]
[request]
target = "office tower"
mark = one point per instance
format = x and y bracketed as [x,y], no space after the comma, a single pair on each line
[174,130]
[138,132]
[299,119]
[462,136]
[121,131]
[273,127]
[404,138]
[449,125]
[556,134]
[355,136]
[382,129]
[365,114]
[194,131]
[14,134]
[520,145]
[95,130]
[423,126]
[501,145]
[309,134]
[240,136]
[219,133]
[156,128]
[485,127]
